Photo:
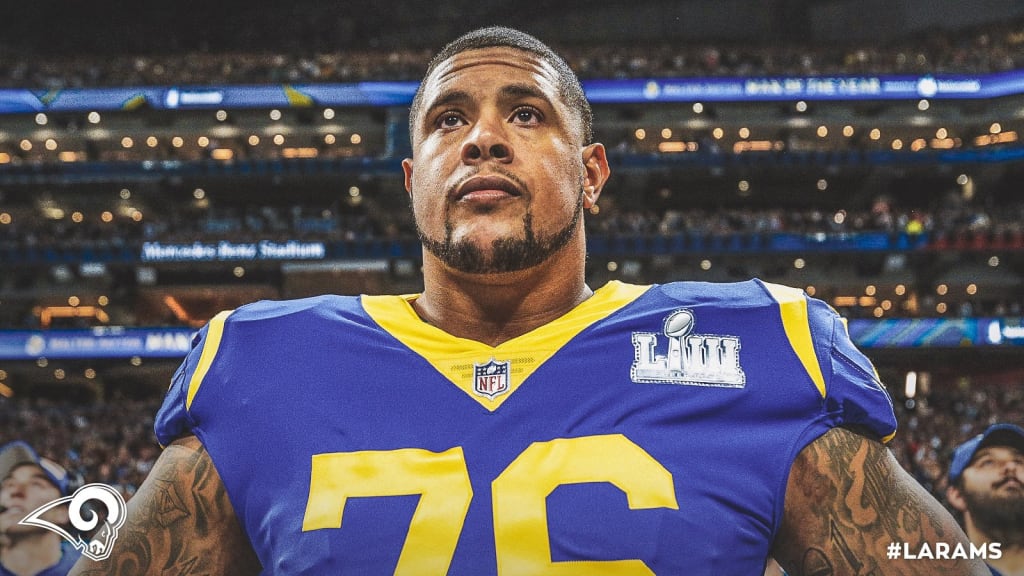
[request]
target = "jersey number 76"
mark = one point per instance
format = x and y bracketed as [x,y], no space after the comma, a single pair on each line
[518,499]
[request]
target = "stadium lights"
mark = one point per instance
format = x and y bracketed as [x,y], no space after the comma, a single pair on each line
[910,384]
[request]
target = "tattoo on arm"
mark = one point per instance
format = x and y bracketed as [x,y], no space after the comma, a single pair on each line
[179,522]
[847,499]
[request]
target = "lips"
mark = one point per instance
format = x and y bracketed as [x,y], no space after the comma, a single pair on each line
[486,188]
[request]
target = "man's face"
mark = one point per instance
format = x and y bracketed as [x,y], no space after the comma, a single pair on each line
[499,176]
[25,489]
[992,488]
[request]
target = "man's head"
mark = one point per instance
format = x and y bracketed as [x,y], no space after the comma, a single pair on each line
[502,168]
[498,36]
[28,481]
[986,480]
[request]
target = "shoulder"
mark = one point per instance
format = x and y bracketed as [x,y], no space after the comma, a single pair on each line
[792,307]
[753,293]
[316,306]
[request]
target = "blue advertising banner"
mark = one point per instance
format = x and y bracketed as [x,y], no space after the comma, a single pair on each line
[717,89]
[105,342]
[936,332]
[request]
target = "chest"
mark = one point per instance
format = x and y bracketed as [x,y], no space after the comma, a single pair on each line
[377,463]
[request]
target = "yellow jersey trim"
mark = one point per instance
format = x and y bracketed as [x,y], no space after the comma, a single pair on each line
[793,309]
[214,332]
[455,358]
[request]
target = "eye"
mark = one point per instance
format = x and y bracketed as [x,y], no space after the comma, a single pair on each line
[526,116]
[450,120]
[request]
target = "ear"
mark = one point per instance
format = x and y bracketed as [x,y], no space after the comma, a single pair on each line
[407,170]
[596,172]
[956,498]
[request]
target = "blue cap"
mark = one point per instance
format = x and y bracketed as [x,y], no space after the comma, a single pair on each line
[996,435]
[17,453]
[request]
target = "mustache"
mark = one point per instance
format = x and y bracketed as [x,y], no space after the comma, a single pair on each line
[1006,481]
[496,170]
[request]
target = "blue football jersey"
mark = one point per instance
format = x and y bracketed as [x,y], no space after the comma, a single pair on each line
[650,430]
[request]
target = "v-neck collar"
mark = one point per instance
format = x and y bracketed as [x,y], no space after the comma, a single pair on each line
[491,374]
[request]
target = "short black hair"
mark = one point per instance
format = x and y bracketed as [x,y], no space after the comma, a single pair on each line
[569,88]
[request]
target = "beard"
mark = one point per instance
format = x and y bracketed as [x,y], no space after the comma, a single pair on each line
[506,254]
[1000,517]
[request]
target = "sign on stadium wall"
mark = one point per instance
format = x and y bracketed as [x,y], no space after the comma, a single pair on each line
[711,89]
[103,342]
[228,251]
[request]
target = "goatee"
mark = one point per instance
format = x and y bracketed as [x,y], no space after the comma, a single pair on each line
[506,254]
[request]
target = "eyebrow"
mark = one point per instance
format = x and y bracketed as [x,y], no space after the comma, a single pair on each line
[508,92]
[447,99]
[520,91]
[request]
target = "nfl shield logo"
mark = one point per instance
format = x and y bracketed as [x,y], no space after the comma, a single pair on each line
[491,379]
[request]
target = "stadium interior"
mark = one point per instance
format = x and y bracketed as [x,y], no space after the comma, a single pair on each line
[140,220]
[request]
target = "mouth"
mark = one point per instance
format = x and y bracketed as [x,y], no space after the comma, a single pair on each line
[486,189]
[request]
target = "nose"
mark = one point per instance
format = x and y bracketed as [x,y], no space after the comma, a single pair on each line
[487,141]
[12,489]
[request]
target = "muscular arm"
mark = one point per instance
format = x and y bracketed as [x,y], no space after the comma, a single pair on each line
[179,522]
[847,499]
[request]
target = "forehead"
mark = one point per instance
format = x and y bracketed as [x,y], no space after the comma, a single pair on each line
[26,471]
[487,69]
[998,452]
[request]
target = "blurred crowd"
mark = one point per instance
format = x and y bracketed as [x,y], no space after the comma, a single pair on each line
[930,428]
[953,224]
[992,49]
[113,442]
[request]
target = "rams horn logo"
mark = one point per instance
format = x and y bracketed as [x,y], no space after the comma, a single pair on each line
[102,543]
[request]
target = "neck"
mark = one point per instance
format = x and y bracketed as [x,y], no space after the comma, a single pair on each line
[29,554]
[494,308]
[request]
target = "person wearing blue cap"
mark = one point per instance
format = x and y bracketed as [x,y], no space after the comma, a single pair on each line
[28,481]
[986,485]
